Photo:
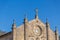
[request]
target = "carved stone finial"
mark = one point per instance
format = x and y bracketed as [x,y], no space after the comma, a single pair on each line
[25,18]
[46,20]
[14,24]
[47,24]
[56,30]
[36,10]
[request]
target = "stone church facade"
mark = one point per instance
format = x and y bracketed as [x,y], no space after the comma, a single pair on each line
[32,30]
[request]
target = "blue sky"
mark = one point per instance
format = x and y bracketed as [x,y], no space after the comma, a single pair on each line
[15,9]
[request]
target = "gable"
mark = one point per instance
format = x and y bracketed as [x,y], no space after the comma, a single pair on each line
[31,24]
[1,32]
[30,28]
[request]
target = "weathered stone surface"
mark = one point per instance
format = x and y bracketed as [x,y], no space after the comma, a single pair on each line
[35,30]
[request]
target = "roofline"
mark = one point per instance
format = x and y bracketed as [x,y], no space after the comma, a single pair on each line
[6,34]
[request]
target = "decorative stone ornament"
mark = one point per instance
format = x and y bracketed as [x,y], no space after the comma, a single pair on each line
[37,30]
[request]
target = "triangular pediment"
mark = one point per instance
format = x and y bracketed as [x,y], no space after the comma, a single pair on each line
[33,22]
